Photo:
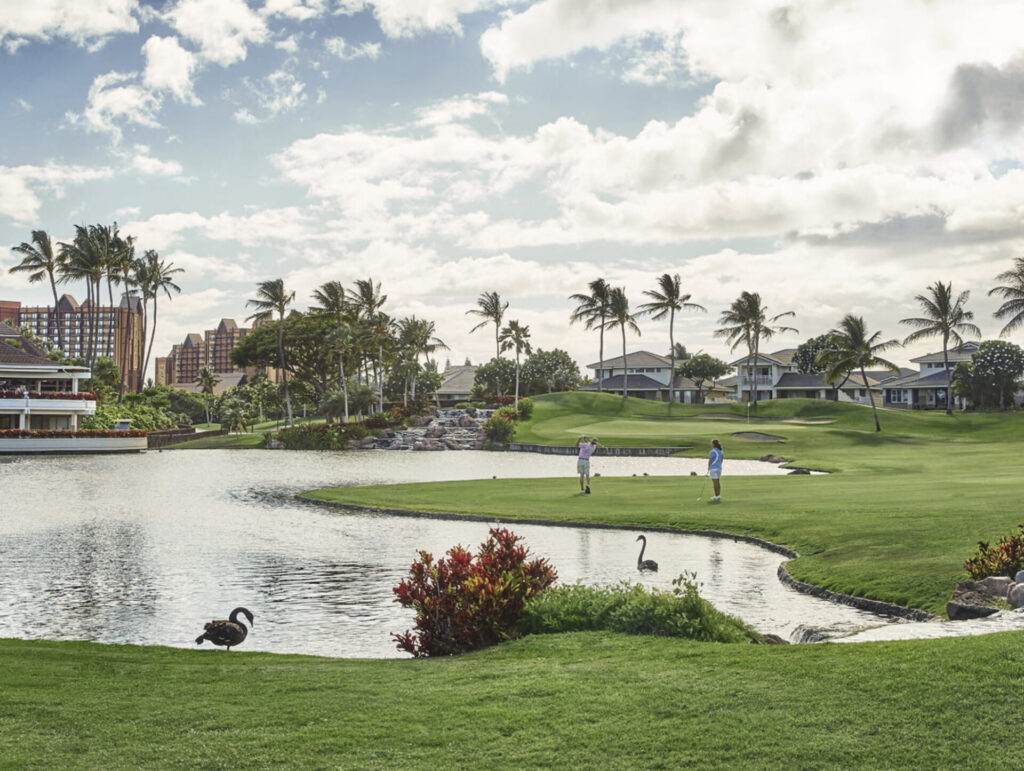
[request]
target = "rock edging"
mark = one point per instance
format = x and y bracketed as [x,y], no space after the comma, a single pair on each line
[862,603]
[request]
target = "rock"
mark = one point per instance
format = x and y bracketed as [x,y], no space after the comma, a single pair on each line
[367,441]
[275,444]
[960,612]
[773,459]
[471,411]
[428,445]
[1019,578]
[774,639]
[997,585]
[420,421]
[352,444]
[467,422]
[451,444]
[1015,595]
[693,473]
[435,432]
[799,471]
[386,433]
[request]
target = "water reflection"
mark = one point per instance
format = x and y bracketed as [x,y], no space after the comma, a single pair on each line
[145,549]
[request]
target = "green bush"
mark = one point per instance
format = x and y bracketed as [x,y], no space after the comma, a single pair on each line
[320,436]
[510,414]
[498,430]
[633,609]
[143,417]
[525,409]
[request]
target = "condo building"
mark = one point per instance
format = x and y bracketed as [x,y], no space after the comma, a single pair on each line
[210,350]
[118,329]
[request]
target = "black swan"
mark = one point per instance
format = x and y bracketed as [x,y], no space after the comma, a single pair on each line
[230,632]
[641,563]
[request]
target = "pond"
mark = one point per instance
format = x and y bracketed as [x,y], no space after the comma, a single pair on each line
[144,549]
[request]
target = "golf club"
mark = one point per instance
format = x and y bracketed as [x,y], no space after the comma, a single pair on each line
[702,486]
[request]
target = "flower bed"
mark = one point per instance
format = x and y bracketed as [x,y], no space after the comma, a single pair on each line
[79,397]
[19,433]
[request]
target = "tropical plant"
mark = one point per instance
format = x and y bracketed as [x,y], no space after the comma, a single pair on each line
[592,310]
[334,404]
[806,360]
[466,601]
[1004,559]
[334,302]
[667,300]
[416,337]
[516,337]
[944,317]
[494,377]
[271,297]
[997,366]
[153,277]
[206,380]
[39,261]
[1012,293]
[491,310]
[702,368]
[619,316]
[855,349]
[747,322]
[548,371]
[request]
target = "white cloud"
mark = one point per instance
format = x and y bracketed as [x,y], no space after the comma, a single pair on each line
[22,105]
[402,18]
[338,46]
[300,10]
[460,108]
[223,29]
[115,100]
[20,187]
[278,93]
[170,67]
[88,23]
[144,163]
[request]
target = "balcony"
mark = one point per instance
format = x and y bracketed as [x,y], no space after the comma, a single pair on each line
[759,380]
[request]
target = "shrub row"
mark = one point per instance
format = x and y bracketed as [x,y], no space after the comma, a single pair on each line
[1003,559]
[19,433]
[319,436]
[79,397]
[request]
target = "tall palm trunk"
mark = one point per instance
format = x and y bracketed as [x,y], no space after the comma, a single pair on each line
[949,374]
[517,380]
[149,350]
[497,355]
[754,353]
[343,384]
[145,352]
[874,409]
[672,356]
[380,378]
[109,343]
[55,317]
[625,372]
[600,358]
[280,359]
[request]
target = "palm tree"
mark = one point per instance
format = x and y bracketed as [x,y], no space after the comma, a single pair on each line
[81,260]
[855,350]
[366,298]
[39,261]
[417,337]
[334,404]
[491,310]
[619,316]
[271,297]
[666,302]
[947,318]
[747,321]
[206,380]
[516,336]
[154,276]
[123,271]
[1013,297]
[592,309]
[334,302]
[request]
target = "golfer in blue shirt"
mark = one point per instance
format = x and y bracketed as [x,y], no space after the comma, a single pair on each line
[715,458]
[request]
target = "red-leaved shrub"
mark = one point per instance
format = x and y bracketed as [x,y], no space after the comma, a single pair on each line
[464,602]
[1003,559]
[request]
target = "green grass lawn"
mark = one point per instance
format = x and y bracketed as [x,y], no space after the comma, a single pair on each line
[246,441]
[547,701]
[907,507]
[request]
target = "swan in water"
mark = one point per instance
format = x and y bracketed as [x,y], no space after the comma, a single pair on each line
[641,563]
[230,632]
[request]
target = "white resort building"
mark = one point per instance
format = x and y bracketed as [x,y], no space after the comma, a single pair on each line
[646,376]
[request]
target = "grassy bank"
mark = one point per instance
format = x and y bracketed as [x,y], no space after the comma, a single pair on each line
[896,524]
[559,701]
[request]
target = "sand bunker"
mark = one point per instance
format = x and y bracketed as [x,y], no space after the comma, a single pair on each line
[756,436]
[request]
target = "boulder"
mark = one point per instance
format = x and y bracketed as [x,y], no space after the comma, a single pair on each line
[435,432]
[419,421]
[961,611]
[367,441]
[1019,578]
[996,585]
[773,459]
[467,422]
[386,433]
[471,411]
[428,445]
[1015,595]
[451,444]
[275,444]
[773,639]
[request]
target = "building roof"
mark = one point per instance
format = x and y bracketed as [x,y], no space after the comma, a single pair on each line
[633,383]
[936,379]
[801,380]
[634,359]
[227,325]
[67,304]
[17,351]
[193,340]
[132,302]
[457,380]
[783,358]
[960,353]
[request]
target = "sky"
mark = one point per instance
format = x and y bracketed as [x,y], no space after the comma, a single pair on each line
[835,157]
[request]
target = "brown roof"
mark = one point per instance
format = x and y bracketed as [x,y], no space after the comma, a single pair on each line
[16,349]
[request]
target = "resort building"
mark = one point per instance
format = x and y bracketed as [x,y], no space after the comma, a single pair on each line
[646,376]
[211,351]
[118,333]
[36,393]
[456,384]
[775,376]
[926,389]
